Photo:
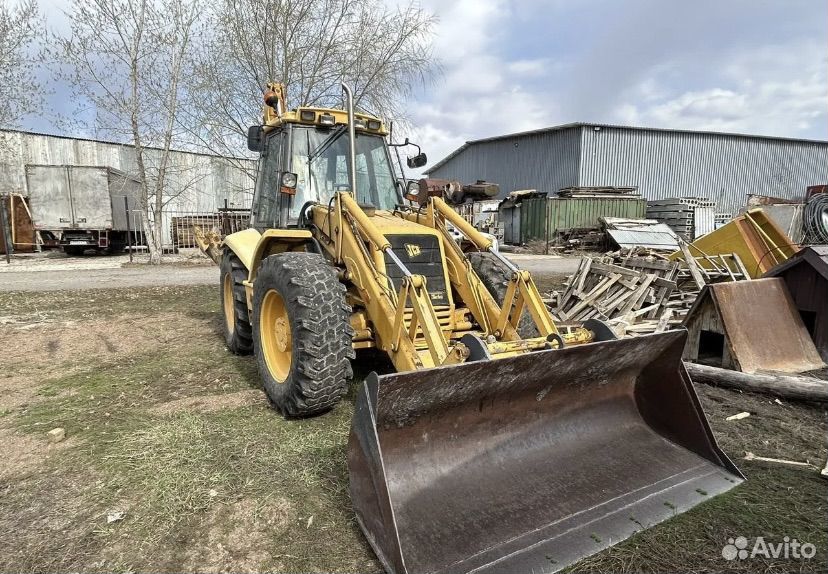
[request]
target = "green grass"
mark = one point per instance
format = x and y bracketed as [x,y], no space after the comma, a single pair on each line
[181,473]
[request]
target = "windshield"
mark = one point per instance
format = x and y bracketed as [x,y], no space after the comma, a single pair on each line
[320,161]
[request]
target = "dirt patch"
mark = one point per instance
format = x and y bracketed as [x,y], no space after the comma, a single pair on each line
[42,343]
[24,453]
[236,537]
[211,403]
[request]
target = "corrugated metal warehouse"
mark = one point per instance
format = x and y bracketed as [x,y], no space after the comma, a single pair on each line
[661,163]
[198,182]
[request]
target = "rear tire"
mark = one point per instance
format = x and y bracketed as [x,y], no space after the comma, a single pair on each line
[238,335]
[302,333]
[495,276]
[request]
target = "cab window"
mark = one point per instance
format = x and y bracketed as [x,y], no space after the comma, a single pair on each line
[266,198]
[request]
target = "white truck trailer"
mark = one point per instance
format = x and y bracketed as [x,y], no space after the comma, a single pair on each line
[83,205]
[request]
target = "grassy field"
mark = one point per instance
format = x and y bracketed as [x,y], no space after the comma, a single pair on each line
[174,461]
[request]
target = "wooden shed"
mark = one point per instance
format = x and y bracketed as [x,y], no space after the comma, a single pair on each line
[806,275]
[749,326]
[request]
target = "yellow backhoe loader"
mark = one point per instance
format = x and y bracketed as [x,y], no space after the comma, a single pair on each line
[502,442]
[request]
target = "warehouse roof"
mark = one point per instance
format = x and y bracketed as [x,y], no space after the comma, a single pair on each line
[599,126]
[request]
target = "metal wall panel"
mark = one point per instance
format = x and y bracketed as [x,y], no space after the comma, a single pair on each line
[196,182]
[575,212]
[721,167]
[545,162]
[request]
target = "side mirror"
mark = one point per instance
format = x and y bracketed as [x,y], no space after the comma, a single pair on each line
[255,138]
[416,161]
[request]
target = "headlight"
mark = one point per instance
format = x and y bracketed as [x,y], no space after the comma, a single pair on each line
[359,124]
[307,116]
[289,180]
[374,124]
[327,119]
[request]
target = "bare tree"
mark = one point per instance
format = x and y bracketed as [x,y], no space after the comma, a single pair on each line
[129,60]
[311,46]
[20,93]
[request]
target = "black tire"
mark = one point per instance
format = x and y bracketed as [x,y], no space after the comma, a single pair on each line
[495,276]
[74,250]
[238,335]
[320,333]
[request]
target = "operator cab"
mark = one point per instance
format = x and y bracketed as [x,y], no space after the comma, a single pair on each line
[304,158]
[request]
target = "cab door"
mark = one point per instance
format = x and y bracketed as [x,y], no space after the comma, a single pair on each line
[268,211]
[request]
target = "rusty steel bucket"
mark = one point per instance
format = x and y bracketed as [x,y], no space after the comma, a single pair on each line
[528,464]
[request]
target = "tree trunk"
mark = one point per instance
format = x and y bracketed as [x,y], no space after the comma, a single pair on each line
[786,386]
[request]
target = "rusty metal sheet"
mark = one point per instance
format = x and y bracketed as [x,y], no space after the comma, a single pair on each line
[528,464]
[763,329]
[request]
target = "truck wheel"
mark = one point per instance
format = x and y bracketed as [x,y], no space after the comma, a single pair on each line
[301,333]
[74,250]
[237,331]
[495,276]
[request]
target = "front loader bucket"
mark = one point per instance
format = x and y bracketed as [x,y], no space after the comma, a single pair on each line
[528,464]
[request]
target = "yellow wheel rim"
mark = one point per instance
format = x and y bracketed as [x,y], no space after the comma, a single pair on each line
[274,329]
[229,304]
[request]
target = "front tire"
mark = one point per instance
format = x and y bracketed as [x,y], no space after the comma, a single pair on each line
[238,335]
[301,333]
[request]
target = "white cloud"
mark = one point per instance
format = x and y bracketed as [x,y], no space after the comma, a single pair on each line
[535,67]
[756,91]
[481,93]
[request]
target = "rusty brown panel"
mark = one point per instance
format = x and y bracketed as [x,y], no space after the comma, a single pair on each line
[532,462]
[763,327]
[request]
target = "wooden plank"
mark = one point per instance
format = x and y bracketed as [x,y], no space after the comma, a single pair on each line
[664,320]
[691,265]
[609,268]
[641,293]
[593,295]
[584,274]
[741,266]
[641,263]
[573,281]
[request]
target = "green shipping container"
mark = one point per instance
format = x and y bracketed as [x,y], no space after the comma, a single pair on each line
[575,212]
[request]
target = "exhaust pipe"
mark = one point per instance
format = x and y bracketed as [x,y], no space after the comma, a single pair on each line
[349,105]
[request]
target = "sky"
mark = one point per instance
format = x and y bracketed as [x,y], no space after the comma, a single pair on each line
[747,66]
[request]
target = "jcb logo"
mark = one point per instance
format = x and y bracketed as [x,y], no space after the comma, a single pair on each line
[413,250]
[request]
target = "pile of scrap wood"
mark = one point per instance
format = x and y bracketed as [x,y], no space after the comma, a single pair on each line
[639,291]
[632,296]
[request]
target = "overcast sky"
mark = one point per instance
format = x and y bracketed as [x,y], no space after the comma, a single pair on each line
[750,66]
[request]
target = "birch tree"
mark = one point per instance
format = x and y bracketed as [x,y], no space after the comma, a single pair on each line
[311,46]
[129,62]
[19,89]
